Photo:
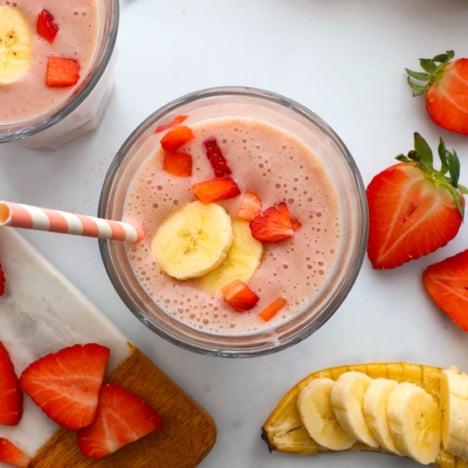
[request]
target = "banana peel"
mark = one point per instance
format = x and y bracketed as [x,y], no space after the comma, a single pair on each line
[283,431]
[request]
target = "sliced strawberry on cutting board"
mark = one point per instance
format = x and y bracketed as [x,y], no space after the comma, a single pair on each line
[46,26]
[211,190]
[66,384]
[446,282]
[239,296]
[413,208]
[444,83]
[121,418]
[216,158]
[62,72]
[176,138]
[12,454]
[11,396]
[273,225]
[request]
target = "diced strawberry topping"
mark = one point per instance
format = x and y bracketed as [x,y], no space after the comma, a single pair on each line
[268,312]
[250,206]
[46,26]
[176,137]
[239,296]
[177,120]
[273,225]
[121,418]
[2,281]
[216,158]
[66,384]
[13,455]
[11,396]
[177,163]
[220,188]
[62,72]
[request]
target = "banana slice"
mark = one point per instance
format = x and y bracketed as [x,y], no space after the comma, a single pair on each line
[415,422]
[15,45]
[193,240]
[316,412]
[241,261]
[375,412]
[347,395]
[454,405]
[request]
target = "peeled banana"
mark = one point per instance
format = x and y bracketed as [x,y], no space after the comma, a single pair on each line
[15,44]
[414,411]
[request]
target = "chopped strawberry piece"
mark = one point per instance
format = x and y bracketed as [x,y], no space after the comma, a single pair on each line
[177,120]
[11,396]
[178,164]
[220,188]
[46,26]
[62,72]
[66,384]
[13,455]
[239,296]
[250,206]
[121,418]
[268,312]
[216,158]
[273,225]
[446,282]
[2,281]
[176,138]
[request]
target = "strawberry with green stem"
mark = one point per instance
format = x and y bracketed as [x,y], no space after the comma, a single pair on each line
[414,209]
[444,83]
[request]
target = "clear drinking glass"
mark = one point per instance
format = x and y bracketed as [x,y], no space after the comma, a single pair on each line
[346,181]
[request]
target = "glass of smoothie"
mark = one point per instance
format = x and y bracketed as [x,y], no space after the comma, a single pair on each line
[56,64]
[255,222]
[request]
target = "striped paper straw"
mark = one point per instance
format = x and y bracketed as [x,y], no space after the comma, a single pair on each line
[45,219]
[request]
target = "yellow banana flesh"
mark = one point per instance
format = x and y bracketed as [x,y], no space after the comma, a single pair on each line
[283,430]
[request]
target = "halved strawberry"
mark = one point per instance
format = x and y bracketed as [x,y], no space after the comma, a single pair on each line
[269,311]
[66,384]
[414,209]
[273,225]
[446,282]
[239,296]
[11,396]
[2,281]
[220,188]
[177,120]
[121,418]
[250,206]
[176,137]
[444,83]
[215,156]
[177,163]
[46,27]
[62,72]
[12,454]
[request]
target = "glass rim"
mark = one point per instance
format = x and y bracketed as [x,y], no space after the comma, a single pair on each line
[234,345]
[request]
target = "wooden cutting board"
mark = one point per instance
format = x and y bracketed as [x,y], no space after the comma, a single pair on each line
[42,312]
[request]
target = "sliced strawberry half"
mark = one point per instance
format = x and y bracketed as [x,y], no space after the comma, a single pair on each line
[11,396]
[177,120]
[62,72]
[2,281]
[121,418]
[211,190]
[12,454]
[46,26]
[177,163]
[66,384]
[176,138]
[217,160]
[250,206]
[269,311]
[239,296]
[446,282]
[273,225]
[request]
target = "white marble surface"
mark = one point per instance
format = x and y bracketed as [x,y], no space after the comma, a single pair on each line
[344,59]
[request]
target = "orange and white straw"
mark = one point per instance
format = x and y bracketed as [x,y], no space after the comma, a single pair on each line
[44,219]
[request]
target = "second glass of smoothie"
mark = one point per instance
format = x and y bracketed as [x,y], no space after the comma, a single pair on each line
[290,160]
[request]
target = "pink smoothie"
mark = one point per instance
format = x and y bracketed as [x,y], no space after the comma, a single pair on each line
[276,165]
[77,38]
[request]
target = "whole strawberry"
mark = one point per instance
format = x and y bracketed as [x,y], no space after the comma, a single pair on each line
[414,209]
[444,83]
